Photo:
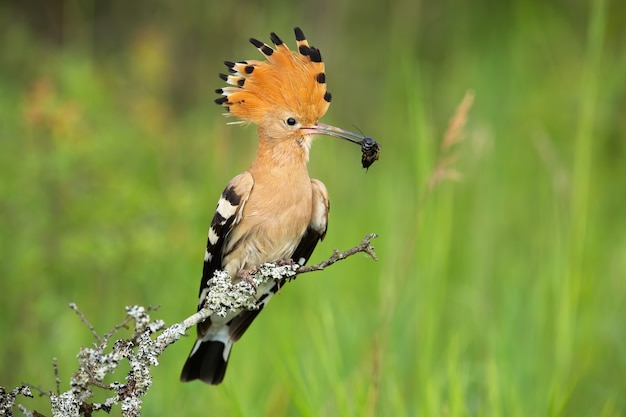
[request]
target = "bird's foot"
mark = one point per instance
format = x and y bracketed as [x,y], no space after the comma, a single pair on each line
[288,262]
[247,274]
[284,262]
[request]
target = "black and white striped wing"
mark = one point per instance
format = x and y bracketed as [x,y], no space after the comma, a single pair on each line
[317,226]
[208,358]
[227,215]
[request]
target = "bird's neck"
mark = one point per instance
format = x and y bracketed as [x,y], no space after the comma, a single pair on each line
[281,157]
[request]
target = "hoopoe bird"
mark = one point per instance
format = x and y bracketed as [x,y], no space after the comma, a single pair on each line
[273,211]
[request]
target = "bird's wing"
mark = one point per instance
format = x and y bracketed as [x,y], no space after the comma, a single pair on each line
[317,226]
[227,215]
[314,233]
[208,358]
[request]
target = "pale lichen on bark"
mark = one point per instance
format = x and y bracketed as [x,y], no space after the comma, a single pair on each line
[142,350]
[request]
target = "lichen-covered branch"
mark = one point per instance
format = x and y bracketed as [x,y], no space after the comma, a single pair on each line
[7,398]
[142,349]
[338,256]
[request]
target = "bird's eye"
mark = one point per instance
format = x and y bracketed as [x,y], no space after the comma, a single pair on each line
[291,121]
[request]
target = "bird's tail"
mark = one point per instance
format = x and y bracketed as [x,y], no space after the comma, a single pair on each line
[209,357]
[207,361]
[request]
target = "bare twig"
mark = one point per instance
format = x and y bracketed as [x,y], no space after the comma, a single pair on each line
[42,392]
[57,380]
[338,256]
[74,307]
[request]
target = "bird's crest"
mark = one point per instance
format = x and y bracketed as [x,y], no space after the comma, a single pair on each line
[287,80]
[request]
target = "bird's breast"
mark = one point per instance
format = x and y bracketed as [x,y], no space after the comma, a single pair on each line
[274,219]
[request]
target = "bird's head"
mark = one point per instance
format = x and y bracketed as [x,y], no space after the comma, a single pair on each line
[285,94]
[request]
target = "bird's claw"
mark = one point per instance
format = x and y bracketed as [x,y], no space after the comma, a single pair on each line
[246,275]
[285,262]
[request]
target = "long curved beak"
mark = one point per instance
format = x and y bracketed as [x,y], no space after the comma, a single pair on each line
[322,129]
[370,150]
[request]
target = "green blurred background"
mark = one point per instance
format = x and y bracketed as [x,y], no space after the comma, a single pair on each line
[499,293]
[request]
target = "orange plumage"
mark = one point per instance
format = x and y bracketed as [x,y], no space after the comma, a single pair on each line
[286,81]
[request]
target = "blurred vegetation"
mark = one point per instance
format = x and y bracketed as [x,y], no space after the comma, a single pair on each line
[502,293]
